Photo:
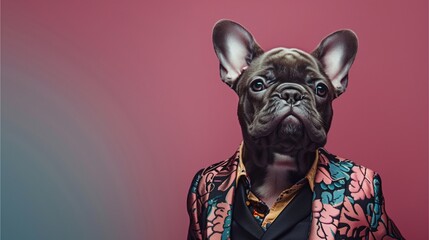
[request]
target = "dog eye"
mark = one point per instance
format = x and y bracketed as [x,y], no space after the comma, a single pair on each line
[321,90]
[257,85]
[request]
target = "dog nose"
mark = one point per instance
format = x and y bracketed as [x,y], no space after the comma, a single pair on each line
[292,96]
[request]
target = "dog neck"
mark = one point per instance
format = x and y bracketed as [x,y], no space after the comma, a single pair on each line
[271,172]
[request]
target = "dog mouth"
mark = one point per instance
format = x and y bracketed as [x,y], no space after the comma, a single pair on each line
[287,125]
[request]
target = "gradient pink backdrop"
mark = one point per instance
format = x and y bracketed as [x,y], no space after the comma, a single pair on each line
[110,107]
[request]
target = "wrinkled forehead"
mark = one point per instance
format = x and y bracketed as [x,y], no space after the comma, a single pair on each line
[288,56]
[290,62]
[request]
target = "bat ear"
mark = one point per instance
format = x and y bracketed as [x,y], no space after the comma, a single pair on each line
[235,48]
[336,53]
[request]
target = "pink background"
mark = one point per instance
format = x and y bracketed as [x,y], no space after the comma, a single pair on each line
[110,107]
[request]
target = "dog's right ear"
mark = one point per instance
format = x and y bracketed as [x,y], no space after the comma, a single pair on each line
[235,48]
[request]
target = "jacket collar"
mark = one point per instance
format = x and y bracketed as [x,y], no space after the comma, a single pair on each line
[241,169]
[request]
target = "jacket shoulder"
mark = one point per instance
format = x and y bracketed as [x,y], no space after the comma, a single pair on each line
[220,170]
[340,165]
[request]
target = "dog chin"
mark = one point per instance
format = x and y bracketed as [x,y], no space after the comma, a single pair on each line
[290,128]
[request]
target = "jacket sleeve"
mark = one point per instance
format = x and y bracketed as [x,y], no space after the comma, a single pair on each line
[194,209]
[380,225]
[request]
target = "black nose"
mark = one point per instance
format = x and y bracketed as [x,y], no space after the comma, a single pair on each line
[291,95]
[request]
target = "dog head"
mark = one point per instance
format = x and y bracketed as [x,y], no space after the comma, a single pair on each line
[285,94]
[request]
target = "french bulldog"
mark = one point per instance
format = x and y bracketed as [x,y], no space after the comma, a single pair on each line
[285,101]
[285,112]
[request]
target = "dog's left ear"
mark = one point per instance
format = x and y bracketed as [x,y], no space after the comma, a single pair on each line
[336,53]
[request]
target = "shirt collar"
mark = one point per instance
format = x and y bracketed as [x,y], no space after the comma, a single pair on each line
[242,169]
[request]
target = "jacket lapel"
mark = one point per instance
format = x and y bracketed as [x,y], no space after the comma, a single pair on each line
[242,216]
[328,196]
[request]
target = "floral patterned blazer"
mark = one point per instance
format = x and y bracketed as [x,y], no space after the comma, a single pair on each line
[347,202]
